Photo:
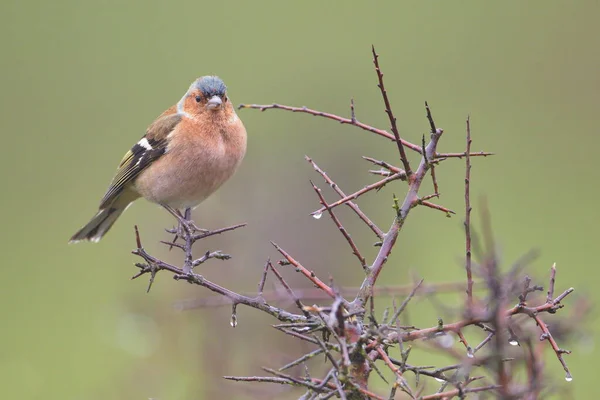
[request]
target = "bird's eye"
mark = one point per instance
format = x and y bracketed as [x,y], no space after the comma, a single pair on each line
[198,98]
[225,99]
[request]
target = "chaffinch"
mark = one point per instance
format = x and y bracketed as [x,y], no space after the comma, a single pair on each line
[187,153]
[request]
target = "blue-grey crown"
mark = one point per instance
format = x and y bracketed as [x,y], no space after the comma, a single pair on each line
[211,86]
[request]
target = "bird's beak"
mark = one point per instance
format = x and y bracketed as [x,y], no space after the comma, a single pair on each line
[214,103]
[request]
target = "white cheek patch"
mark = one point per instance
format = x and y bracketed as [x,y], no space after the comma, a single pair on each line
[145,144]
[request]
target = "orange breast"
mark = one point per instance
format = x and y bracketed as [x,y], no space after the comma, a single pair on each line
[200,157]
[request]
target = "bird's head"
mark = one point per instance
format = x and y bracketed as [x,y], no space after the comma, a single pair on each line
[206,94]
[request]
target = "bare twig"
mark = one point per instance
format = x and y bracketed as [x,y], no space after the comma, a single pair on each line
[288,290]
[384,164]
[456,326]
[341,228]
[349,121]
[557,350]
[457,392]
[263,280]
[468,266]
[436,188]
[366,289]
[369,128]
[308,274]
[350,204]
[400,309]
[390,114]
[316,294]
[552,282]
[154,265]
[368,188]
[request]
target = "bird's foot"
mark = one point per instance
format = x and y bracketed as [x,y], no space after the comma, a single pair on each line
[186,228]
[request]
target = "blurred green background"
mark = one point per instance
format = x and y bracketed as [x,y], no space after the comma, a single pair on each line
[81,80]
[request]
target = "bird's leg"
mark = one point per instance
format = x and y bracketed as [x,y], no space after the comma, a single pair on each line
[181,225]
[186,226]
[187,216]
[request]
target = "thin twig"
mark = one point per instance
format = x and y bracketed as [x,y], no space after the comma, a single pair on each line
[308,274]
[350,204]
[557,350]
[342,120]
[399,377]
[263,279]
[302,359]
[369,128]
[366,289]
[316,294]
[216,232]
[453,393]
[155,265]
[383,164]
[289,290]
[468,266]
[463,340]
[456,326]
[267,379]
[340,227]
[434,206]
[436,188]
[394,319]
[339,387]
[390,114]
[377,185]
[551,285]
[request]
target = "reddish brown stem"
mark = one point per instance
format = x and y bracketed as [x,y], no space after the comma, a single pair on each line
[390,114]
[368,188]
[340,227]
[350,204]
[557,350]
[411,198]
[308,274]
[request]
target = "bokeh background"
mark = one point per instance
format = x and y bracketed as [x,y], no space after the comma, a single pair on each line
[80,81]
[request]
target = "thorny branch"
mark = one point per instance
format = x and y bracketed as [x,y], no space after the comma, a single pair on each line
[347,332]
[389,112]
[153,266]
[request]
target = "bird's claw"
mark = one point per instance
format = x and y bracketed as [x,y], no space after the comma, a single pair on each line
[185,228]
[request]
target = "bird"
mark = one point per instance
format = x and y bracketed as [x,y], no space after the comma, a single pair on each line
[186,154]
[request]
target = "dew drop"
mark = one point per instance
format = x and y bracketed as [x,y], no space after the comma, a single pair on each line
[439,379]
[513,342]
[568,377]
[317,215]
[470,353]
[233,321]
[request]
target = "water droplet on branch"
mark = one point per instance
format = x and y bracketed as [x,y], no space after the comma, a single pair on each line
[568,377]
[233,322]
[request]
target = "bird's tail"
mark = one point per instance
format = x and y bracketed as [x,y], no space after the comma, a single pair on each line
[98,225]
